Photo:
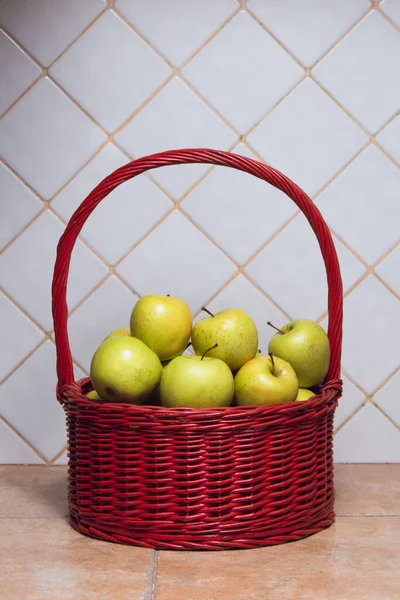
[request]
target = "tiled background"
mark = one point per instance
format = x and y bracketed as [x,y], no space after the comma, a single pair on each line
[311,87]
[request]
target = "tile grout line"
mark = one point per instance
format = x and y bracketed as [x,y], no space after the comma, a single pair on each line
[21,309]
[58,455]
[151,589]
[23,360]
[43,69]
[342,36]
[370,270]
[388,417]
[385,16]
[17,433]
[341,106]
[353,414]
[382,149]
[22,230]
[369,399]
[177,71]
[263,26]
[337,41]
[270,110]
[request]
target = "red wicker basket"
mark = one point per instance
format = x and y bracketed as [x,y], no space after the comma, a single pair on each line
[237,477]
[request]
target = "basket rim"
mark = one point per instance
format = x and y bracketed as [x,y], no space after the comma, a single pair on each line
[73,398]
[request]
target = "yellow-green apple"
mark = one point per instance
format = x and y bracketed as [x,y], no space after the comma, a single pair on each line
[93,395]
[304,394]
[124,369]
[265,380]
[196,382]
[305,345]
[163,323]
[118,333]
[234,332]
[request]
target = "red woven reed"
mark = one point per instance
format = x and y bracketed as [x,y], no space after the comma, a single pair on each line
[236,477]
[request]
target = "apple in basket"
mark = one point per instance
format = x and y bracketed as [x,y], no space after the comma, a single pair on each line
[304,394]
[163,323]
[118,333]
[305,345]
[265,380]
[196,382]
[124,369]
[233,332]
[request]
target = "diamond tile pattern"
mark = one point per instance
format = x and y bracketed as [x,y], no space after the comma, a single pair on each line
[124,216]
[351,400]
[242,72]
[367,193]
[371,325]
[17,71]
[19,205]
[167,263]
[108,308]
[30,262]
[308,32]
[46,138]
[28,403]
[251,210]
[177,28]
[362,75]
[390,139]
[291,271]
[388,398]
[13,450]
[175,118]
[44,27]
[378,441]
[389,270]
[391,8]
[111,51]
[307,137]
[19,336]
[131,78]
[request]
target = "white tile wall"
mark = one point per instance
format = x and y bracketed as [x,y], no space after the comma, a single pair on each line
[312,88]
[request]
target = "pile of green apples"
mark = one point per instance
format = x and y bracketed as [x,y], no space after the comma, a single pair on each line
[146,363]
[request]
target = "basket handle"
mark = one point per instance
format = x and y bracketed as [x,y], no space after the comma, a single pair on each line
[176,157]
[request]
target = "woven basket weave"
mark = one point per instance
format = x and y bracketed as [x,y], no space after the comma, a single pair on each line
[237,477]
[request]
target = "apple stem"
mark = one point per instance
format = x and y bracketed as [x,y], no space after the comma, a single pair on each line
[273,363]
[168,295]
[208,350]
[276,328]
[188,345]
[207,311]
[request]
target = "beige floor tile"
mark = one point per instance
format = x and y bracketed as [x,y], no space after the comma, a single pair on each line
[367,490]
[45,559]
[33,491]
[357,558]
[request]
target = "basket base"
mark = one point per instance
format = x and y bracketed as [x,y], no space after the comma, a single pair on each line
[157,541]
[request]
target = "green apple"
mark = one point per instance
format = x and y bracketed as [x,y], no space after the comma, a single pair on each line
[163,324]
[124,369]
[303,395]
[234,332]
[93,395]
[196,382]
[305,345]
[265,380]
[118,333]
